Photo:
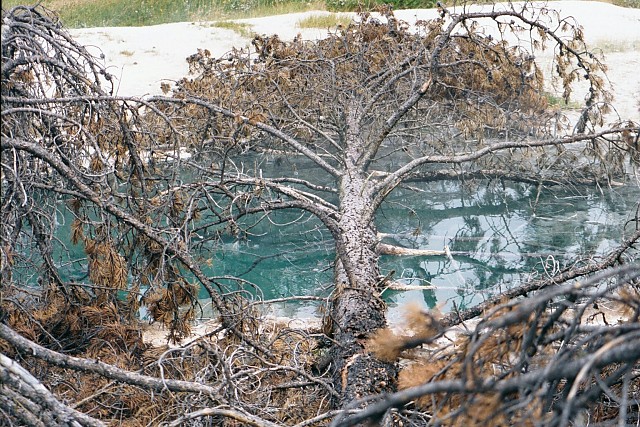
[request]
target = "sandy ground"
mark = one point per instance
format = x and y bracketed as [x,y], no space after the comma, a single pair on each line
[143,57]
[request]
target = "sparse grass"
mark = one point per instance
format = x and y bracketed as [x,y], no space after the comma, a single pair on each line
[106,13]
[635,4]
[354,5]
[271,7]
[611,46]
[118,13]
[126,53]
[239,27]
[558,102]
[324,21]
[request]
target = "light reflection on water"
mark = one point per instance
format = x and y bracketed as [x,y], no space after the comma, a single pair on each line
[499,237]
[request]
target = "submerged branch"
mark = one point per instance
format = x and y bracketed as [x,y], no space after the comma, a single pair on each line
[388,183]
[498,174]
[569,273]
[387,249]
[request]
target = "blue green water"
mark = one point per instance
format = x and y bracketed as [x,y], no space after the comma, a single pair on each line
[499,237]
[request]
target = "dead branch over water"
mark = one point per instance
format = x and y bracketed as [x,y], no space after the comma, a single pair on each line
[149,187]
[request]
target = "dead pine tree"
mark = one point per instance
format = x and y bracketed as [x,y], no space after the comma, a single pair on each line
[381,103]
[90,233]
[149,185]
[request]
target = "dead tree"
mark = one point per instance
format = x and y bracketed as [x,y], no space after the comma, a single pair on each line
[151,184]
[375,105]
[91,231]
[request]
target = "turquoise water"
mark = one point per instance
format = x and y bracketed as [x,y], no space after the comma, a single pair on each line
[497,234]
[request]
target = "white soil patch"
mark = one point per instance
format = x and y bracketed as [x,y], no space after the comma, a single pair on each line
[143,57]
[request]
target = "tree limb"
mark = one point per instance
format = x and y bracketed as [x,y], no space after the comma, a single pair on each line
[15,376]
[387,184]
[570,273]
[170,247]
[243,417]
[295,144]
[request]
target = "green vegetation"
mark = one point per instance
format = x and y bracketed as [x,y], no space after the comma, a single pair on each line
[613,46]
[559,102]
[351,5]
[239,27]
[122,13]
[324,21]
[118,13]
[625,3]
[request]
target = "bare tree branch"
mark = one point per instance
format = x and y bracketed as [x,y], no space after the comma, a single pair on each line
[246,419]
[570,273]
[387,184]
[15,376]
[101,368]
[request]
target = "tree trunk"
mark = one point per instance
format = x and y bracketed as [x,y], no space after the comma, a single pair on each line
[357,309]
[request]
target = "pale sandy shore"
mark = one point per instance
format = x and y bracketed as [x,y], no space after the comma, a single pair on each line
[144,57]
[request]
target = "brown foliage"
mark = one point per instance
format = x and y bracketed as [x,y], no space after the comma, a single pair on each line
[268,386]
[523,338]
[118,163]
[304,80]
[420,326]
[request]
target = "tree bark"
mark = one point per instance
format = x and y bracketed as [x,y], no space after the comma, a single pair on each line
[39,404]
[357,309]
